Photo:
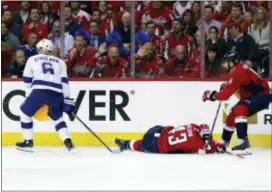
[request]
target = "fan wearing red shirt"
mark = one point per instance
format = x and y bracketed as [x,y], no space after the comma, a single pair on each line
[147,64]
[81,58]
[157,41]
[161,15]
[224,14]
[80,17]
[235,17]
[190,138]
[175,66]
[35,26]
[112,65]
[178,37]
[107,21]
[254,96]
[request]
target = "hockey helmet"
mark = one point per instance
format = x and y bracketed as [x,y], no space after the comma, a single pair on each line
[231,56]
[45,45]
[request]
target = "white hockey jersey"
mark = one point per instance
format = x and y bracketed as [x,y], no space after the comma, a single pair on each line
[46,72]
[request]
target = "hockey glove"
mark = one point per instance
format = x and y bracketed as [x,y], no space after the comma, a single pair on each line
[220,147]
[69,105]
[209,95]
[204,132]
[223,86]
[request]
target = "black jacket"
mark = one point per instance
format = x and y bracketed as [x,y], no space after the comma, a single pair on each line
[245,46]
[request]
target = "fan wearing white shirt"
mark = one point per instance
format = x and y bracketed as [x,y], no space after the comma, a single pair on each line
[55,37]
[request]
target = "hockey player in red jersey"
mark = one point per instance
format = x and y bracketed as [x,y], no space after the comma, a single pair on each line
[189,138]
[254,94]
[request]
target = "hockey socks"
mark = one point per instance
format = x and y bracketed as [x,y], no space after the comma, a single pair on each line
[227,134]
[62,129]
[134,145]
[27,126]
[241,127]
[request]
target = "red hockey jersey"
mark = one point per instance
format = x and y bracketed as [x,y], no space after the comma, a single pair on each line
[244,82]
[184,139]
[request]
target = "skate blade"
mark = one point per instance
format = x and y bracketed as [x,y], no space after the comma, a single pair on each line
[25,149]
[72,151]
[242,152]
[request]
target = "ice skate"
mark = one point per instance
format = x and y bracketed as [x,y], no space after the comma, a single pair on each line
[69,145]
[25,145]
[122,144]
[243,148]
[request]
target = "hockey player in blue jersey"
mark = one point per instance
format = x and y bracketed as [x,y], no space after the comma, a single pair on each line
[46,80]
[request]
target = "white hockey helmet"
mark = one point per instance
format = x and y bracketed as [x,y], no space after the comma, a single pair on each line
[45,45]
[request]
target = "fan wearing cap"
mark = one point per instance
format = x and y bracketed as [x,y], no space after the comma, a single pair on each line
[254,96]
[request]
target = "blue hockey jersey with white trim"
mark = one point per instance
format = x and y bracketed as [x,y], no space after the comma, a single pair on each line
[46,72]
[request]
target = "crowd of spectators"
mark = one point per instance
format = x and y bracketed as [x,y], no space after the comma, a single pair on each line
[167,40]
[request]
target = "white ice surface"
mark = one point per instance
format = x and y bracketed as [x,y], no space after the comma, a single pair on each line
[97,169]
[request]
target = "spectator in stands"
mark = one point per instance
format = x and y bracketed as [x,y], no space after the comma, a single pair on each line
[55,37]
[236,17]
[95,38]
[213,61]
[80,17]
[189,26]
[96,15]
[21,16]
[157,41]
[249,19]
[8,40]
[70,26]
[196,12]
[124,29]
[47,16]
[86,6]
[56,51]
[160,15]
[111,65]
[6,59]
[209,21]
[13,27]
[244,44]
[148,65]
[81,58]
[30,48]
[175,66]
[214,40]
[107,21]
[178,37]
[223,13]
[15,70]
[192,69]
[180,7]
[35,25]
[260,30]
[126,8]
[260,27]
[114,38]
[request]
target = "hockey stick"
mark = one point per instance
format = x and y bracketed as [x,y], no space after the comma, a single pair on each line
[215,118]
[237,155]
[213,125]
[96,136]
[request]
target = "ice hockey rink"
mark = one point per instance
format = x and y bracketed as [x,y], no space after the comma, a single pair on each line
[97,169]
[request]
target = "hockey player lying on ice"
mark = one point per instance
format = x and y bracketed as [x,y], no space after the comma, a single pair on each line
[189,138]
